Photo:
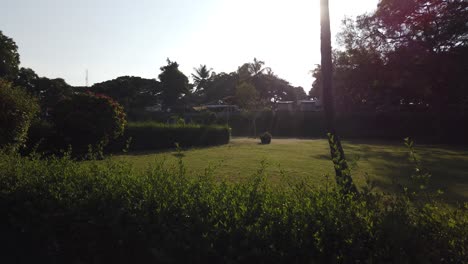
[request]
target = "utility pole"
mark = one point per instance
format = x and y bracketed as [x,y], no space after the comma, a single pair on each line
[86,77]
[343,174]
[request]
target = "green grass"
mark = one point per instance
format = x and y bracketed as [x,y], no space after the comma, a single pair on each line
[386,163]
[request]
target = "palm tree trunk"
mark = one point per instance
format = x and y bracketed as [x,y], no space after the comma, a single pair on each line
[343,175]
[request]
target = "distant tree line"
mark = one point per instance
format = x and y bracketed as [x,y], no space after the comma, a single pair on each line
[172,91]
[406,54]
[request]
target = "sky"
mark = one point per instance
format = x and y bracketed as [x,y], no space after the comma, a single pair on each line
[112,38]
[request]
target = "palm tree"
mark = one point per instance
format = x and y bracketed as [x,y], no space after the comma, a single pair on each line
[343,175]
[202,76]
[256,67]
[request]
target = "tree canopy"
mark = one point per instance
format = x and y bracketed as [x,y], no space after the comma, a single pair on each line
[405,53]
[9,58]
[174,85]
[131,92]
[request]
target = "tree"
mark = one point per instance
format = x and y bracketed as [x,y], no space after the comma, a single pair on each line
[51,91]
[9,58]
[27,79]
[405,53]
[246,95]
[174,85]
[256,67]
[222,86]
[130,91]
[17,110]
[247,99]
[430,35]
[343,176]
[202,77]
[435,25]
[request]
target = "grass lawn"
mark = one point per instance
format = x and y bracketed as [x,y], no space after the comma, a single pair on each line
[384,162]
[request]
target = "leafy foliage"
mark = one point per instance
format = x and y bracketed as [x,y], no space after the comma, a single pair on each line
[48,91]
[17,110]
[88,119]
[58,210]
[174,85]
[9,58]
[202,77]
[131,92]
[410,53]
[265,138]
[246,95]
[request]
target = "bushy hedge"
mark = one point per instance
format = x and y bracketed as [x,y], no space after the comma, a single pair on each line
[88,119]
[17,110]
[55,210]
[152,135]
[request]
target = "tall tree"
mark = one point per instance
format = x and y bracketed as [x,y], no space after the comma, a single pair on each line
[247,99]
[222,86]
[343,175]
[202,77]
[256,67]
[9,58]
[174,85]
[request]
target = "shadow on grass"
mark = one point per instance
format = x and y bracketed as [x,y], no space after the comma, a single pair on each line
[448,167]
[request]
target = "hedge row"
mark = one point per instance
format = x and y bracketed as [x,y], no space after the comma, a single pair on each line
[423,127]
[55,210]
[152,135]
[139,136]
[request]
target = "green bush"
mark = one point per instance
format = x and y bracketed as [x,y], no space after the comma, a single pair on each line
[55,210]
[88,119]
[265,138]
[17,110]
[151,135]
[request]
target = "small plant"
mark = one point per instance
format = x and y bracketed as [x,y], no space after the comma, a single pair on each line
[265,138]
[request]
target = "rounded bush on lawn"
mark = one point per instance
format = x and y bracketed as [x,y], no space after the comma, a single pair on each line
[266,138]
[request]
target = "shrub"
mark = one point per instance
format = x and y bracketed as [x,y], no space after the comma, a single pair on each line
[17,110]
[88,119]
[55,210]
[265,138]
[151,135]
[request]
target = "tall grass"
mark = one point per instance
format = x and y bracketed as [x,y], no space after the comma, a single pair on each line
[56,210]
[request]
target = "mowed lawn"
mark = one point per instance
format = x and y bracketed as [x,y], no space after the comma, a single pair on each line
[286,160]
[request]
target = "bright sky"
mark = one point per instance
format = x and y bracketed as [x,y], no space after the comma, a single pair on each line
[111,38]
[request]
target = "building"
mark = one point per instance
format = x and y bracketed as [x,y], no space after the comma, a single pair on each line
[309,106]
[285,106]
